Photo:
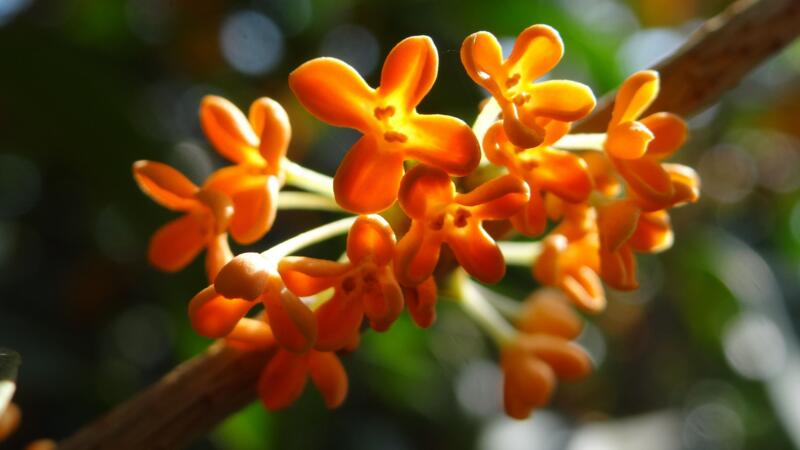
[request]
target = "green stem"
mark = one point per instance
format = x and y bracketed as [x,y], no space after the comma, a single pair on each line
[520,253]
[299,176]
[475,305]
[307,200]
[309,237]
[582,141]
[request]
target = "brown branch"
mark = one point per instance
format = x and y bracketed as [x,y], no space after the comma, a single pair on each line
[192,399]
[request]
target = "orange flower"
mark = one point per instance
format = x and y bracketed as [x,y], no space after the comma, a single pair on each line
[533,113]
[257,146]
[393,131]
[541,353]
[421,302]
[247,279]
[364,285]
[440,215]
[204,224]
[543,169]
[286,375]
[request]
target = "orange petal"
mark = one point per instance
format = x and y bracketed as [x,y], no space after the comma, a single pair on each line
[213,315]
[282,380]
[309,276]
[176,244]
[618,269]
[482,58]
[536,51]
[421,302]
[653,233]
[383,306]
[339,319]
[245,276]
[444,142]
[602,173]
[477,253]
[647,178]
[218,253]
[271,123]
[229,131]
[292,322]
[371,236]
[496,199]
[564,174]
[497,148]
[617,222]
[356,185]
[531,220]
[417,254]
[251,334]
[523,131]
[670,133]
[329,376]
[685,182]
[425,190]
[528,384]
[628,140]
[583,286]
[254,211]
[165,185]
[547,311]
[636,94]
[562,100]
[335,93]
[409,72]
[566,359]
[546,269]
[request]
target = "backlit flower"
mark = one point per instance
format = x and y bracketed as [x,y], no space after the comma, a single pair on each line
[369,176]
[207,214]
[533,113]
[286,375]
[440,215]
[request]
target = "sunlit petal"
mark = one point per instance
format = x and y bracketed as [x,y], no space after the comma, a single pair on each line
[409,72]
[165,185]
[368,179]
[443,142]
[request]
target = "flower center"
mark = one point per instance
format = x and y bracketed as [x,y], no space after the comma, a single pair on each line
[384,115]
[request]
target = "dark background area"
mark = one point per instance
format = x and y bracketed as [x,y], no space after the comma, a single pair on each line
[704,356]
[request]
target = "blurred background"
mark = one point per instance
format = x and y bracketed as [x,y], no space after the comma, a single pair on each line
[704,356]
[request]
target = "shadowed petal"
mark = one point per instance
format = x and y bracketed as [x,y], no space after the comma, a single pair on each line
[371,236]
[329,376]
[339,319]
[496,199]
[176,244]
[417,254]
[421,302]
[478,253]
[617,222]
[653,233]
[213,315]
[292,322]
[229,130]
[618,269]
[564,174]
[282,380]
[270,121]
[547,311]
[368,179]
[309,276]
[424,190]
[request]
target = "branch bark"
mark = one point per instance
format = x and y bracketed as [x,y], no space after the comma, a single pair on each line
[197,395]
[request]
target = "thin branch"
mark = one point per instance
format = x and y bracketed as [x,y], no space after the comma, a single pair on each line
[196,396]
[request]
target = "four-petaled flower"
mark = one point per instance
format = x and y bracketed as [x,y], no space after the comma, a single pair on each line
[204,224]
[440,215]
[285,376]
[365,285]
[533,113]
[368,178]
[257,145]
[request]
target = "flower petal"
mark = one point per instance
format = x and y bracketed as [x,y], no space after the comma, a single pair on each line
[246,276]
[482,58]
[371,236]
[213,315]
[567,360]
[271,123]
[442,141]
[583,286]
[496,199]
[618,269]
[628,140]
[564,174]
[617,222]
[477,253]
[282,380]
[531,219]
[685,182]
[383,306]
[562,100]
[229,131]
[218,253]
[309,276]
[251,334]
[421,302]
[670,133]
[292,322]
[356,186]
[165,185]
[334,92]
[635,95]
[339,319]
[646,178]
[528,382]
[409,72]
[536,51]
[547,311]
[329,376]
[653,233]
[417,254]
[424,191]
[176,244]
[254,211]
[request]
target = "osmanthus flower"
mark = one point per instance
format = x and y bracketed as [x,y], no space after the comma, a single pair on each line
[365,285]
[543,168]
[533,113]
[392,129]
[257,145]
[246,280]
[421,302]
[541,353]
[440,215]
[286,375]
[207,214]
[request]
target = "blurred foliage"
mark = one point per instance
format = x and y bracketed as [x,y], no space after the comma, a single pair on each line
[87,87]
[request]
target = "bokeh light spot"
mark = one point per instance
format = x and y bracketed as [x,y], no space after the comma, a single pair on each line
[251,42]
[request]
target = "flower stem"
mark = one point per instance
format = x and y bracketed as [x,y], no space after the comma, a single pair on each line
[520,253]
[309,237]
[299,176]
[476,306]
[306,200]
[582,141]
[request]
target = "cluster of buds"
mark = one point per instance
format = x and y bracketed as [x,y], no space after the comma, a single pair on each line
[605,196]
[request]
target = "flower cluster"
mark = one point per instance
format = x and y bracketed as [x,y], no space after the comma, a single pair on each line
[602,197]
